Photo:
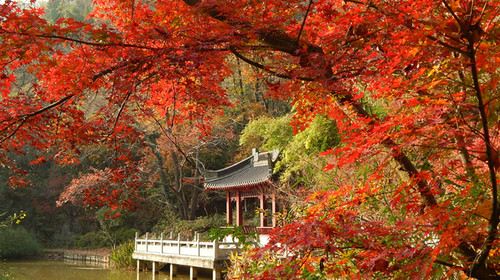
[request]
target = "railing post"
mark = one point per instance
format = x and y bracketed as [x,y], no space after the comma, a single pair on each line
[179,243]
[171,236]
[146,241]
[198,243]
[216,248]
[135,240]
[161,243]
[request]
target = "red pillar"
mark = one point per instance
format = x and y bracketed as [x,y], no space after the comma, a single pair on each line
[263,208]
[273,210]
[239,214]
[229,209]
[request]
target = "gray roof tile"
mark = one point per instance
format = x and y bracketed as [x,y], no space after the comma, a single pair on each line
[252,171]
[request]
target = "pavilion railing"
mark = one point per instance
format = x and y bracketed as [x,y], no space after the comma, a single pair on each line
[177,247]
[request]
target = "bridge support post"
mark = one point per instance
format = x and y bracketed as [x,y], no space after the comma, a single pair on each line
[216,274]
[154,271]
[193,273]
[138,269]
[173,271]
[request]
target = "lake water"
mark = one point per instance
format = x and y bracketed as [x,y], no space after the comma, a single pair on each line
[59,270]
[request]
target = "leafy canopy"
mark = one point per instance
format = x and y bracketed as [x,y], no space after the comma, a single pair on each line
[427,203]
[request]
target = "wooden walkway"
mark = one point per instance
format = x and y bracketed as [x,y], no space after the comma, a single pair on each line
[194,254]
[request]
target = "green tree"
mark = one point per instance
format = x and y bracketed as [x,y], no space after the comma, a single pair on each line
[300,163]
[76,9]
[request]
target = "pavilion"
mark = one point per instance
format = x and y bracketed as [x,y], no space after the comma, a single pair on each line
[248,179]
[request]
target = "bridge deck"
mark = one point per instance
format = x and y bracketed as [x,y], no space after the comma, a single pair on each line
[194,254]
[190,253]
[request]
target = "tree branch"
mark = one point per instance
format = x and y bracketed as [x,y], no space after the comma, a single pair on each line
[281,41]
[122,107]
[448,264]
[69,39]
[446,45]
[168,135]
[448,7]
[21,123]
[266,69]
[479,265]
[430,37]
[304,20]
[22,119]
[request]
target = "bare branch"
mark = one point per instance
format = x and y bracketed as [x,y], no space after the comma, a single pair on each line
[479,265]
[22,119]
[304,20]
[448,7]
[83,42]
[122,106]
[266,69]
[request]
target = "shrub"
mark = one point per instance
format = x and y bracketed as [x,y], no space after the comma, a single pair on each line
[91,240]
[122,255]
[4,275]
[61,240]
[123,235]
[17,243]
[237,234]
[100,239]
[187,228]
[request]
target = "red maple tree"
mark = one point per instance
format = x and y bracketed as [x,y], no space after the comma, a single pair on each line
[412,86]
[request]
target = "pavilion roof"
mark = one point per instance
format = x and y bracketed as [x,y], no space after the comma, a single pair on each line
[252,172]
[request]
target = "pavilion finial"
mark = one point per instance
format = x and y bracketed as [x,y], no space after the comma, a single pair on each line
[255,154]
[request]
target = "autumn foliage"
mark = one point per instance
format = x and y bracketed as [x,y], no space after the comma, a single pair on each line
[411,85]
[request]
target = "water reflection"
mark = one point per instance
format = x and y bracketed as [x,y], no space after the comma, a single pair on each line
[87,264]
[58,270]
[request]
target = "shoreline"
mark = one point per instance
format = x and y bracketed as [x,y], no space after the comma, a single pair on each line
[100,256]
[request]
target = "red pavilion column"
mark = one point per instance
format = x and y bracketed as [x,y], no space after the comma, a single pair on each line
[263,208]
[229,209]
[239,214]
[273,208]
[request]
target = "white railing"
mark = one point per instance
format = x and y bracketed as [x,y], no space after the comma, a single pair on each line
[170,247]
